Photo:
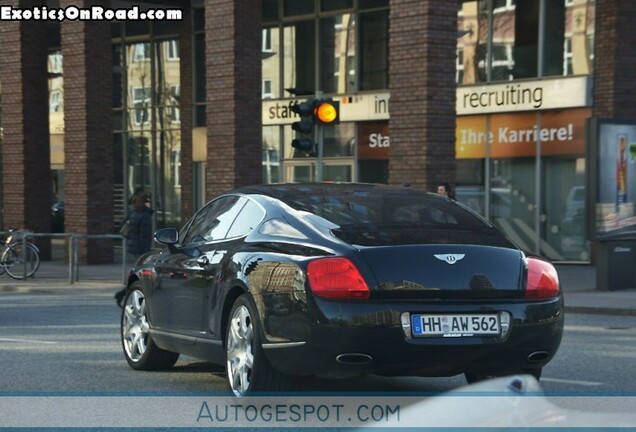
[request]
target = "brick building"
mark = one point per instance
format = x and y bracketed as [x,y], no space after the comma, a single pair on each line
[192,107]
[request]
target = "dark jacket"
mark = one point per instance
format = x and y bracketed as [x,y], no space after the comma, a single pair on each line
[140,231]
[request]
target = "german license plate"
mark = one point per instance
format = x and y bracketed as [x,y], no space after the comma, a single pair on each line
[469,325]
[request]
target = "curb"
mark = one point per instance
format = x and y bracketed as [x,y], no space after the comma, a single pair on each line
[48,287]
[593,310]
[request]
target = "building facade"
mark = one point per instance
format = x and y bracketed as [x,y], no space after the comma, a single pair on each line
[491,96]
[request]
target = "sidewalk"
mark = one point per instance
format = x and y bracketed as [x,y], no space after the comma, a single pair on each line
[578,283]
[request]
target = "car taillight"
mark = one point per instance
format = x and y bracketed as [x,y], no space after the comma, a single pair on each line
[543,280]
[336,278]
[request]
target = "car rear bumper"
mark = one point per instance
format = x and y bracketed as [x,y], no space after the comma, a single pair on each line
[348,338]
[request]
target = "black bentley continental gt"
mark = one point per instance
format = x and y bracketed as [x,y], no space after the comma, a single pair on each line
[338,280]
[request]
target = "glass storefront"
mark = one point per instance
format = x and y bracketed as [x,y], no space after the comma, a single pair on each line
[337,47]
[523,167]
[147,120]
[501,40]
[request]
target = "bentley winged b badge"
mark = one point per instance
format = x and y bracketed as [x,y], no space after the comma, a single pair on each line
[449,258]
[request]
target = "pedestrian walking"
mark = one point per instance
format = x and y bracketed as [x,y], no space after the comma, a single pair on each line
[139,231]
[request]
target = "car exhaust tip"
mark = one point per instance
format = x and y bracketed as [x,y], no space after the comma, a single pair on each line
[538,356]
[354,359]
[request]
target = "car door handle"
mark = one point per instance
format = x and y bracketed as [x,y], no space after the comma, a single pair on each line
[203,261]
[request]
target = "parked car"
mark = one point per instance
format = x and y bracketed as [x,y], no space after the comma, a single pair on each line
[338,280]
[575,205]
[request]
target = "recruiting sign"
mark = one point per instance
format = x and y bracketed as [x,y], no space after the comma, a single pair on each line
[524,96]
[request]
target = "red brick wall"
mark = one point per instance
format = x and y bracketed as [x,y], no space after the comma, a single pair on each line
[233,75]
[615,59]
[26,173]
[422,43]
[88,141]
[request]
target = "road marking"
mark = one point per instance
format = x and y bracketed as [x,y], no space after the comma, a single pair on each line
[27,341]
[581,383]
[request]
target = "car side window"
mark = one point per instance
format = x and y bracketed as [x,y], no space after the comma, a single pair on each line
[219,221]
[247,220]
[197,227]
[213,221]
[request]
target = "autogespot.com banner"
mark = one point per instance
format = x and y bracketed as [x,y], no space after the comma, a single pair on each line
[459,410]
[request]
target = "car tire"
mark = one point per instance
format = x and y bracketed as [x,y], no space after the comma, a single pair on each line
[140,350]
[472,377]
[247,368]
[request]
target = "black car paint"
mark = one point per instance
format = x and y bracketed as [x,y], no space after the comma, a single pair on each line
[323,329]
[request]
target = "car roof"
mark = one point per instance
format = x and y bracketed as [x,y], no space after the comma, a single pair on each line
[282,191]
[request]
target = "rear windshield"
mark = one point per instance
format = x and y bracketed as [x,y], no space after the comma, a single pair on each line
[403,209]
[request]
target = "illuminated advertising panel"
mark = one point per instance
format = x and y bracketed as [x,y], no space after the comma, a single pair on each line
[612,180]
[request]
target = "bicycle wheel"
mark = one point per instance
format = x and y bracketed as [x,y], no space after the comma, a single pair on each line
[3,268]
[14,260]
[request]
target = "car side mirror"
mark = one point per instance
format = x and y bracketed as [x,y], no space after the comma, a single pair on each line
[168,236]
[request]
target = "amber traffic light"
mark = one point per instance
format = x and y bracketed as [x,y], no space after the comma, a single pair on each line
[327,112]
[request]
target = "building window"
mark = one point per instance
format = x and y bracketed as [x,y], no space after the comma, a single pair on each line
[499,6]
[459,66]
[267,40]
[300,61]
[55,101]
[352,46]
[374,50]
[141,52]
[271,154]
[511,29]
[337,54]
[567,57]
[173,50]
[175,168]
[173,104]
[141,102]
[267,89]
[55,63]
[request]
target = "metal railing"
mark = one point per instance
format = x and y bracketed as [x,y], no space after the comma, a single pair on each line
[73,246]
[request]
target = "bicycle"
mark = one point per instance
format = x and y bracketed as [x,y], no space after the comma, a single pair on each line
[14,256]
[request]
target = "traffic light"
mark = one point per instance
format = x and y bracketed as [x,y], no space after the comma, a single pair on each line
[327,111]
[314,111]
[305,127]
[306,111]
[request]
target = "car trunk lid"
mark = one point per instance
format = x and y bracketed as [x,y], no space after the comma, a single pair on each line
[445,271]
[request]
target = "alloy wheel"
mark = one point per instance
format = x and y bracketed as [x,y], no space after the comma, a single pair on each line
[135,326]
[240,357]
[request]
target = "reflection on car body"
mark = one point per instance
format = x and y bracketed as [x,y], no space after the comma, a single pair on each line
[339,280]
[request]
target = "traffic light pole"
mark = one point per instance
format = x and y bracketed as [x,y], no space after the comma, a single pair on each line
[319,144]
[320,129]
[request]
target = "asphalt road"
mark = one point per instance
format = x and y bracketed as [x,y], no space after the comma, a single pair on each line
[68,343]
